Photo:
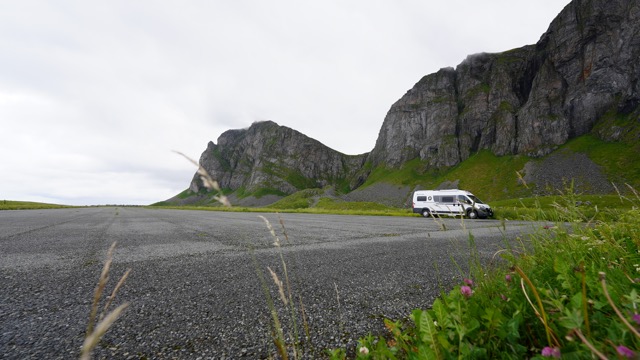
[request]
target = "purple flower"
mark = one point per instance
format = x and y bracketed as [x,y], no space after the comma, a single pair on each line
[625,351]
[549,351]
[504,298]
[466,291]
[507,278]
[636,318]
[468,282]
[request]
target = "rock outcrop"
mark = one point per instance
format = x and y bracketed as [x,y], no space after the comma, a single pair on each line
[274,157]
[524,101]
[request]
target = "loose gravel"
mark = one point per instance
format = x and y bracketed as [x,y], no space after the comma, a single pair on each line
[195,289]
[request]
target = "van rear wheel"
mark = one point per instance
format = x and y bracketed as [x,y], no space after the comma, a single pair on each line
[425,212]
[472,214]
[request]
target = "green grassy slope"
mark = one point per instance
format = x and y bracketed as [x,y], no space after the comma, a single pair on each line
[497,177]
[27,205]
[490,177]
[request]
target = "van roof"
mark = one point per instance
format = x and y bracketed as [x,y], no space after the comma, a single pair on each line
[444,190]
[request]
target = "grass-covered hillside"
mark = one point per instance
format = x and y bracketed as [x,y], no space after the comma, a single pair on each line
[26,205]
[589,165]
[494,177]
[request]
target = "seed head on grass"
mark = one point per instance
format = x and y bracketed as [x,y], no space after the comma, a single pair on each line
[95,332]
[208,181]
[276,241]
[280,286]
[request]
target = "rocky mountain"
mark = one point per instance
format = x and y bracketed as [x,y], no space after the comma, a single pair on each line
[581,77]
[524,101]
[275,159]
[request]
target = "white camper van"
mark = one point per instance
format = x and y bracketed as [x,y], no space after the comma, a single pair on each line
[452,202]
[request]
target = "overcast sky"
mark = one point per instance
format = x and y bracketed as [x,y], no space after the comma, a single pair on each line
[94,95]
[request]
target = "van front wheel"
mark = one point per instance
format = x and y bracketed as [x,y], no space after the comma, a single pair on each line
[472,214]
[425,212]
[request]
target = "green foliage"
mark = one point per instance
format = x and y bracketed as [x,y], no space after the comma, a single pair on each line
[27,205]
[563,208]
[300,200]
[476,174]
[267,191]
[613,121]
[479,89]
[410,173]
[335,204]
[619,161]
[185,194]
[574,292]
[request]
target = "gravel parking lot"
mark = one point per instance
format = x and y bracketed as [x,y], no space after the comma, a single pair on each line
[194,289]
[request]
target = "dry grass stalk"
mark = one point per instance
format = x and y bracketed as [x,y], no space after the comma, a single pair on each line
[633,191]
[102,282]
[276,241]
[603,282]
[95,332]
[280,286]
[521,179]
[208,181]
[585,341]
[92,339]
[114,292]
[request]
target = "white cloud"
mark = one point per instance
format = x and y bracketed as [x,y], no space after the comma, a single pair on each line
[93,96]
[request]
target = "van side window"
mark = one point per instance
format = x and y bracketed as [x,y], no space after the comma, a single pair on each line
[463,199]
[422,198]
[436,198]
[447,199]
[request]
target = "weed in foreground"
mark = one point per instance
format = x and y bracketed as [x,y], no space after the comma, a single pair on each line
[296,343]
[291,343]
[106,319]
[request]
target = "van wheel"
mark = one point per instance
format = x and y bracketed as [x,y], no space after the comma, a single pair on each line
[425,212]
[472,214]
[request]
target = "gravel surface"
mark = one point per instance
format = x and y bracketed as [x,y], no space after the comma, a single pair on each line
[194,290]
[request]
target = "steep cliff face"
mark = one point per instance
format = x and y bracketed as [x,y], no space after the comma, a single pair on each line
[270,156]
[524,101]
[581,77]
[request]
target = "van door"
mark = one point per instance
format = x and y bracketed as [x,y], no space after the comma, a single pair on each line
[448,205]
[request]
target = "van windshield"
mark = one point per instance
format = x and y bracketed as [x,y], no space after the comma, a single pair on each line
[475,199]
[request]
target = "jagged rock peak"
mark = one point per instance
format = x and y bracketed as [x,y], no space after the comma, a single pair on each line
[523,101]
[269,156]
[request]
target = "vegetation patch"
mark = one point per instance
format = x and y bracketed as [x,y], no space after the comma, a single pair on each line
[336,204]
[300,200]
[571,293]
[28,205]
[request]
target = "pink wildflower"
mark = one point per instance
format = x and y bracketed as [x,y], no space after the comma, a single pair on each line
[507,278]
[625,351]
[504,298]
[636,318]
[468,282]
[549,351]
[364,351]
[466,291]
